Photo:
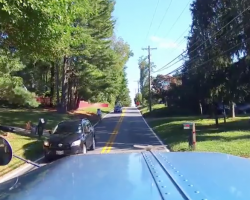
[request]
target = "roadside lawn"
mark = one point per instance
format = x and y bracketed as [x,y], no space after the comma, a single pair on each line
[19,117]
[155,108]
[30,147]
[27,147]
[232,137]
[93,110]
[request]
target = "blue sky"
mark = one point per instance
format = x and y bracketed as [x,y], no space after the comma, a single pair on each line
[133,25]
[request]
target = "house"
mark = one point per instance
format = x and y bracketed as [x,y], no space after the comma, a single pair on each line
[165,81]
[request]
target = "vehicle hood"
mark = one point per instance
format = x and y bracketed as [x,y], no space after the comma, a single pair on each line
[135,176]
[64,138]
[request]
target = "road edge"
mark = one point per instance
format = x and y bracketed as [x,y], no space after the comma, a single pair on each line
[152,131]
[24,166]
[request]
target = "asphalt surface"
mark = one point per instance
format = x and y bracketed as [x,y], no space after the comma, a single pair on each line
[117,133]
[125,130]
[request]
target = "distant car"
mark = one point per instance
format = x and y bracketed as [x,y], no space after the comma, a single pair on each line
[70,137]
[118,109]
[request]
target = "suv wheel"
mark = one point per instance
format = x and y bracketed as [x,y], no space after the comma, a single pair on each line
[84,149]
[47,158]
[93,144]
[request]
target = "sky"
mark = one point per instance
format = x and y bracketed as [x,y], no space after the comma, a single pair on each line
[161,24]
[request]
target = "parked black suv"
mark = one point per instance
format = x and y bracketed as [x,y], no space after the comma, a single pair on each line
[70,137]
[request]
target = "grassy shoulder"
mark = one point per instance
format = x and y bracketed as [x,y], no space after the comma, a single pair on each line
[27,147]
[232,137]
[93,110]
[160,111]
[155,109]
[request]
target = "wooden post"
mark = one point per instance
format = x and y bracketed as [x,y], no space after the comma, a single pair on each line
[193,137]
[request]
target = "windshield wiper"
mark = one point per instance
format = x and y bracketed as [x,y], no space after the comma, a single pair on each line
[27,161]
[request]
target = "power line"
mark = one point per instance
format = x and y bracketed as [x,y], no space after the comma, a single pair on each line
[224,52]
[167,67]
[177,19]
[180,42]
[177,45]
[205,40]
[197,56]
[164,16]
[186,31]
[152,19]
[182,34]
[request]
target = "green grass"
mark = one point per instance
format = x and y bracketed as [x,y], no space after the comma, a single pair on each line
[94,110]
[19,117]
[232,137]
[145,109]
[160,111]
[23,146]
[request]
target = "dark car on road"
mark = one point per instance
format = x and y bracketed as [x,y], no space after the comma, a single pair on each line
[70,137]
[118,109]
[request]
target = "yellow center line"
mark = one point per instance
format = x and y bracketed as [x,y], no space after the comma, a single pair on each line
[114,136]
[111,140]
[115,131]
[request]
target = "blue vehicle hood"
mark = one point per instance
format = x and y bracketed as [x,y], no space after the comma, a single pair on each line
[135,176]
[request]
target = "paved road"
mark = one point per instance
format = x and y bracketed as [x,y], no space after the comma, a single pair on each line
[118,133]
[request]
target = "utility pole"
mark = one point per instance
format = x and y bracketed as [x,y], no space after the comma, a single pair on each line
[138,82]
[149,76]
[138,86]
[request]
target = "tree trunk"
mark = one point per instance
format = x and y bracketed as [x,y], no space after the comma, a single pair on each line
[233,109]
[216,114]
[224,113]
[64,97]
[70,94]
[52,83]
[201,111]
[73,95]
[57,86]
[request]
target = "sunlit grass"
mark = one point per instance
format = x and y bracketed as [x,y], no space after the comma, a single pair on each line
[232,137]
[19,117]
[90,110]
[22,146]
[145,109]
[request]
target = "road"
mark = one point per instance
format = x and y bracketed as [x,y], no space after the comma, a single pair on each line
[117,133]
[120,132]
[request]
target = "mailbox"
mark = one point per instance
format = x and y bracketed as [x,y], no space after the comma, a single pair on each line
[188,125]
[191,134]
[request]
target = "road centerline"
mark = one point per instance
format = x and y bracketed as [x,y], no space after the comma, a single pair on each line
[111,140]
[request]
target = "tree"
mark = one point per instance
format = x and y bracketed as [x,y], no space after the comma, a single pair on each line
[138,98]
[12,88]
[216,61]
[144,77]
[68,53]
